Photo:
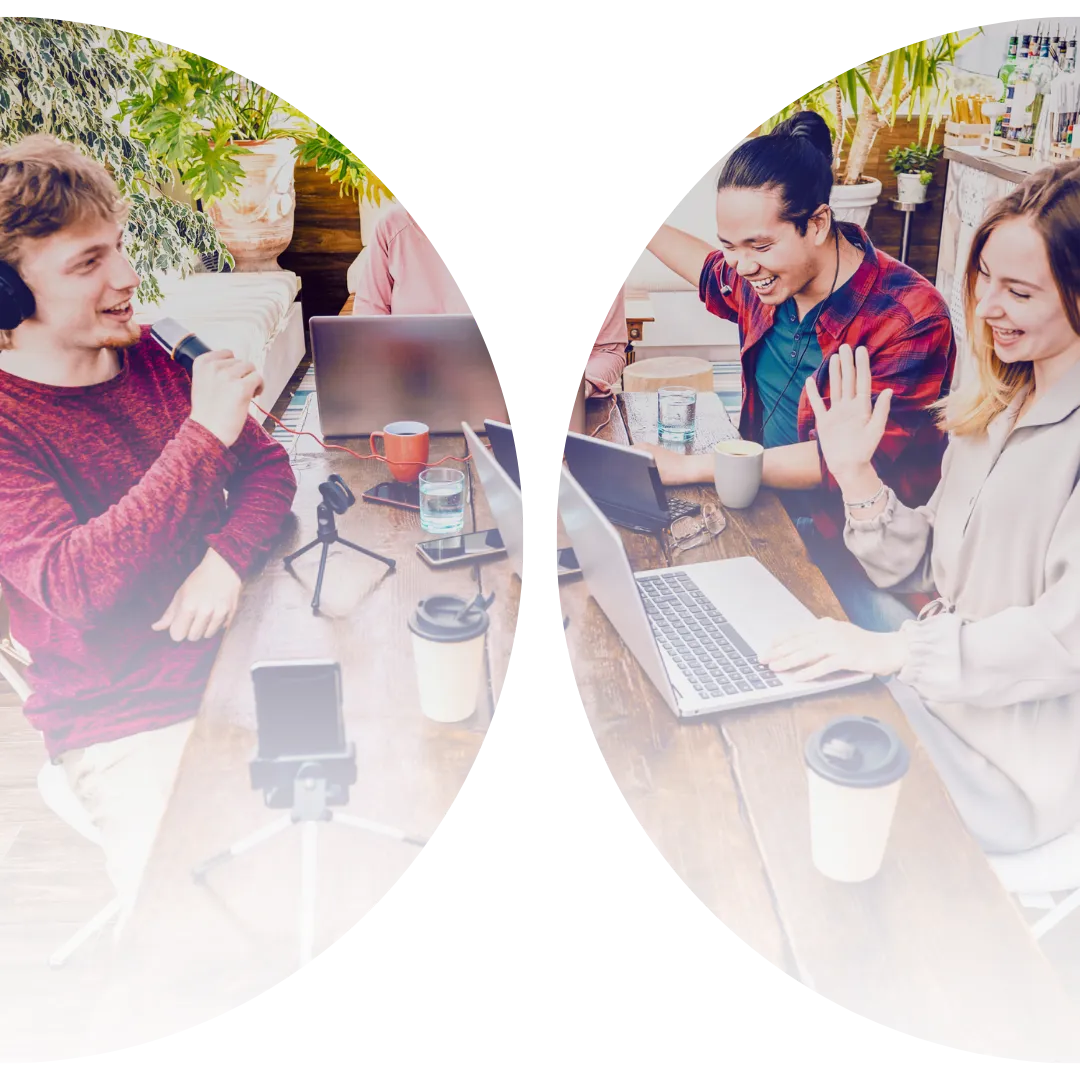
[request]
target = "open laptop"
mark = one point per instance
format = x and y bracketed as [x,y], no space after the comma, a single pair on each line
[373,369]
[696,630]
[501,438]
[503,496]
[624,482]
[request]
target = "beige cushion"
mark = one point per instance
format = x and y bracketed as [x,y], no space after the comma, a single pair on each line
[240,312]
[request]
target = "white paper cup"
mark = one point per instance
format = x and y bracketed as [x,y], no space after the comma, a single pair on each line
[737,472]
[449,656]
[854,766]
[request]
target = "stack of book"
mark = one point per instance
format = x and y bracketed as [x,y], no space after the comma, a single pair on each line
[727,381]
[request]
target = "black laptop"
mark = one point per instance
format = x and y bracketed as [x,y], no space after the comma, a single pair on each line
[502,446]
[624,483]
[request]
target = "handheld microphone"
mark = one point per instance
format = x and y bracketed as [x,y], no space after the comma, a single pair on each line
[184,347]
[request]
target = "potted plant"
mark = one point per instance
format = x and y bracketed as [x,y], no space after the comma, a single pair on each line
[873,95]
[66,78]
[914,169]
[230,142]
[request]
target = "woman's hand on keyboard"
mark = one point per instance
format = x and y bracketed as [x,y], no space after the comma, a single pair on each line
[830,646]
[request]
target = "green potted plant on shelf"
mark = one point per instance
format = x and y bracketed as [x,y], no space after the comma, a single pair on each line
[230,142]
[66,78]
[914,169]
[860,102]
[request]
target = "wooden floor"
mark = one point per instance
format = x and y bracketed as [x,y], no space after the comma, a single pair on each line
[51,882]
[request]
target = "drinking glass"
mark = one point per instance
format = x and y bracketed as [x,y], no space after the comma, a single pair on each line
[442,500]
[676,413]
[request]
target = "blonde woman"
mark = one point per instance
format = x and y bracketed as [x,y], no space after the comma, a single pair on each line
[989,674]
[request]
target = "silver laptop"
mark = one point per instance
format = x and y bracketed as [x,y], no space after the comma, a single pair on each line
[503,496]
[695,630]
[373,369]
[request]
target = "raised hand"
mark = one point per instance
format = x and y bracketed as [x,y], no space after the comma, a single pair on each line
[850,428]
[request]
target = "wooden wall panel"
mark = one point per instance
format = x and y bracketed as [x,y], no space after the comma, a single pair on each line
[886,224]
[326,239]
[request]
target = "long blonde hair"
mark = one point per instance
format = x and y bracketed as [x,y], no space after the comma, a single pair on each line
[1050,201]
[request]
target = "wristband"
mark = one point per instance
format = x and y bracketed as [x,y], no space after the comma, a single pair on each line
[865,504]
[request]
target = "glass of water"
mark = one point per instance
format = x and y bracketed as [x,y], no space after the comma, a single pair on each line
[676,413]
[442,500]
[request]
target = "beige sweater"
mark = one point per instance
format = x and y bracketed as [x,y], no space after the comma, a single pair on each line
[997,672]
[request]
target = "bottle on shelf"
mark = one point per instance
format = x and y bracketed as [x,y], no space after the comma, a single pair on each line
[1040,78]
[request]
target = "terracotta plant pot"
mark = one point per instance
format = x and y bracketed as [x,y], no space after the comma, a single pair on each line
[256,224]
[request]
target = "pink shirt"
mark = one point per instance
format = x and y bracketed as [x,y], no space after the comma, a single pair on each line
[608,356]
[402,273]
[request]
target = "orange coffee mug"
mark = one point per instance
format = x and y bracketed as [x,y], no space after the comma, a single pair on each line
[405,447]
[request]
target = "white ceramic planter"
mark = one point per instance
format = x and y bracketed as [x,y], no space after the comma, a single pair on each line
[909,188]
[256,224]
[853,202]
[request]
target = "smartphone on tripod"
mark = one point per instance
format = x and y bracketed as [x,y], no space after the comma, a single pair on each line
[299,723]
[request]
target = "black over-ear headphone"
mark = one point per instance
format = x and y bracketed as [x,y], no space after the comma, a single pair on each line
[16,300]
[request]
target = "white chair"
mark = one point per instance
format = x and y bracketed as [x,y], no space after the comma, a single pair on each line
[1034,876]
[56,793]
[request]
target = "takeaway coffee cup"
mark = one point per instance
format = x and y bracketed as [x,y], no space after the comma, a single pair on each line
[737,472]
[448,647]
[405,444]
[854,768]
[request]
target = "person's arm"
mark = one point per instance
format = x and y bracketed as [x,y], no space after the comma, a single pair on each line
[794,468]
[894,546]
[78,571]
[608,358]
[400,259]
[1016,655]
[260,496]
[681,252]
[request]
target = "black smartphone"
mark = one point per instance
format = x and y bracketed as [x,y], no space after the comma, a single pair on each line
[568,564]
[298,709]
[395,493]
[454,550]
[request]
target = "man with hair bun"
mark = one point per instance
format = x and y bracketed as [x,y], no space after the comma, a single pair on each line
[801,285]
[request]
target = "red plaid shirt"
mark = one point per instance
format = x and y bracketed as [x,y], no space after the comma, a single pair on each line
[904,324]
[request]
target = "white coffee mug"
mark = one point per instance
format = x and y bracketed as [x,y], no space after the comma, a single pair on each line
[737,472]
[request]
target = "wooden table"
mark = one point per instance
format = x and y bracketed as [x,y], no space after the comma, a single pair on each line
[193,951]
[932,946]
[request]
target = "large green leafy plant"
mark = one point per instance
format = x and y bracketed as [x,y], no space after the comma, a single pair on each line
[68,79]
[913,78]
[193,113]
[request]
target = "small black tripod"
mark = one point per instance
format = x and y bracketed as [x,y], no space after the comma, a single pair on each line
[337,498]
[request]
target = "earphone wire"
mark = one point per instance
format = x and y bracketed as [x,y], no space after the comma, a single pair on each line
[809,337]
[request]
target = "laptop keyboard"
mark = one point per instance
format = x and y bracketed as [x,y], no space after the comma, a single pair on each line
[705,646]
[682,507]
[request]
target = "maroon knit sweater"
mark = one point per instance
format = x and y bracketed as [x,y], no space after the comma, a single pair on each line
[109,498]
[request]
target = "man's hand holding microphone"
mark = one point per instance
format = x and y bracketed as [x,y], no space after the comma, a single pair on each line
[222,389]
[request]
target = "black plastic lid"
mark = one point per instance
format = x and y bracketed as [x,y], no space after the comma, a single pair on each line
[439,618]
[857,751]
